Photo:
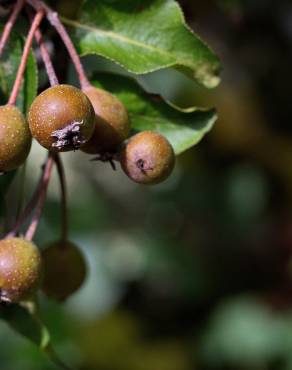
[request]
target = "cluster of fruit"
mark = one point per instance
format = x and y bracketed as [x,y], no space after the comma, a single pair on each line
[64,118]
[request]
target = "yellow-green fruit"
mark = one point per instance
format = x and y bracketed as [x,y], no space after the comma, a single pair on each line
[20,269]
[15,138]
[112,122]
[147,158]
[61,118]
[64,270]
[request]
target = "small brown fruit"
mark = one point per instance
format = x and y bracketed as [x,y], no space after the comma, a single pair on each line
[20,269]
[64,270]
[15,138]
[112,122]
[61,118]
[147,158]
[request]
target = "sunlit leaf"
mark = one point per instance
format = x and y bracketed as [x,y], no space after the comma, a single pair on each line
[144,36]
[183,128]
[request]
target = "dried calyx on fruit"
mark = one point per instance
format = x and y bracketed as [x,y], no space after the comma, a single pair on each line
[20,269]
[61,118]
[64,270]
[147,158]
[15,138]
[112,122]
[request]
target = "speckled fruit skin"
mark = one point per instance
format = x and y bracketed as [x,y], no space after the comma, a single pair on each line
[64,270]
[15,138]
[20,269]
[147,158]
[112,122]
[58,109]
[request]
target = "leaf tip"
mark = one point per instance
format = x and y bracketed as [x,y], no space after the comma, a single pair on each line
[208,76]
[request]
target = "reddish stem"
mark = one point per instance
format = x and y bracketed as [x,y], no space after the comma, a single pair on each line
[29,207]
[41,198]
[25,214]
[54,19]
[9,24]
[18,80]
[44,53]
[46,59]
[55,22]
[61,174]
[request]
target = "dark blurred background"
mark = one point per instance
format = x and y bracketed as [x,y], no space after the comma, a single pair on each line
[194,274]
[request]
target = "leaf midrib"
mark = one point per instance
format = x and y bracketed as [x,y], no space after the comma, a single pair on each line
[124,39]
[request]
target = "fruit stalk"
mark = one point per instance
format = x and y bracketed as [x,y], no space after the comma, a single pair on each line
[46,59]
[29,207]
[17,84]
[55,22]
[10,23]
[41,197]
[44,53]
[54,19]
[21,191]
[61,174]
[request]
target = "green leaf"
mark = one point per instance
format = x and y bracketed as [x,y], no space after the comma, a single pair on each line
[9,63]
[183,128]
[25,320]
[144,36]
[30,84]
[26,323]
